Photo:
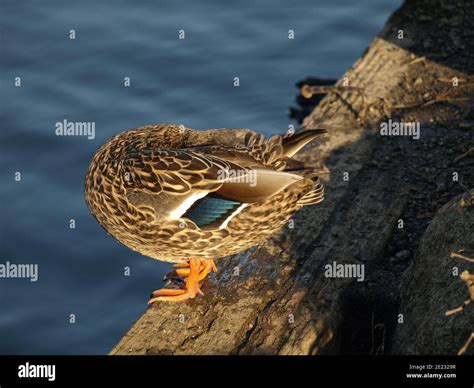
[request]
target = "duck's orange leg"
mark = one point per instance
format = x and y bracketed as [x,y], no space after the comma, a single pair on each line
[198,270]
[207,266]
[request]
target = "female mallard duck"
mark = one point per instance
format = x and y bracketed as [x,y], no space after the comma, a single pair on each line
[187,197]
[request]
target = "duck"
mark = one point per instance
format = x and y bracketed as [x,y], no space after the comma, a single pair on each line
[189,197]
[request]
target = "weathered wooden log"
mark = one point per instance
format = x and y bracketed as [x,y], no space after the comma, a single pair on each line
[380,194]
[436,319]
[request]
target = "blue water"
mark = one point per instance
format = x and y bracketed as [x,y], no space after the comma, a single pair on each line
[190,82]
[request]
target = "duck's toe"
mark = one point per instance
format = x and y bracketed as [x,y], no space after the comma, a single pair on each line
[198,270]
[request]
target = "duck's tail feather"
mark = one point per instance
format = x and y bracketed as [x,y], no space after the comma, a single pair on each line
[314,196]
[293,143]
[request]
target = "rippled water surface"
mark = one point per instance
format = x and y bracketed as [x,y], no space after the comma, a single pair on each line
[190,81]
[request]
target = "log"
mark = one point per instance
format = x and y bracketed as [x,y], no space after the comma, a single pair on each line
[381,193]
[436,318]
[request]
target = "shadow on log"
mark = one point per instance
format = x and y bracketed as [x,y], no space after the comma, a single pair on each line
[432,285]
[380,196]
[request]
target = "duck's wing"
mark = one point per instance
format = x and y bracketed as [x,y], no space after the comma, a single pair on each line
[173,171]
[290,143]
[165,183]
[293,143]
[203,188]
[216,209]
[276,148]
[255,151]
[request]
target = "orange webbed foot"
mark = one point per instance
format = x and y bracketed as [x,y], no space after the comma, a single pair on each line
[192,272]
[206,267]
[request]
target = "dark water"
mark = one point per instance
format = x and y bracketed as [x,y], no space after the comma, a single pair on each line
[190,81]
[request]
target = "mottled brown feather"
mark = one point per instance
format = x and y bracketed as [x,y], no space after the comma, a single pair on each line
[139,175]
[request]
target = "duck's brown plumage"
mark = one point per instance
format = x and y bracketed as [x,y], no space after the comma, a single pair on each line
[140,179]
